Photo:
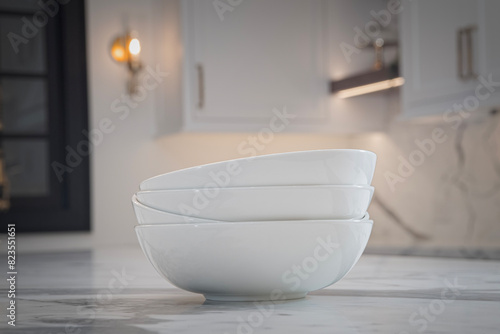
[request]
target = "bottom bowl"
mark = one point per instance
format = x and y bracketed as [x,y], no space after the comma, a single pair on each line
[254,261]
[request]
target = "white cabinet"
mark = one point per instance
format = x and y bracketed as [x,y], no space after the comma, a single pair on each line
[244,59]
[439,73]
[489,24]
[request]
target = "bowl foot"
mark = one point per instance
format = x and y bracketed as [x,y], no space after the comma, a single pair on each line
[253,298]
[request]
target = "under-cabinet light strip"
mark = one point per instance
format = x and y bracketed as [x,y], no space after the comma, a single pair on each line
[370,88]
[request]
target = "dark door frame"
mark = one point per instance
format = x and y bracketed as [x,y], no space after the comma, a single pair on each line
[68,110]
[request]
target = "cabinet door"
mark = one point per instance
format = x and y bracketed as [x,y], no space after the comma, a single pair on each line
[249,57]
[489,27]
[430,54]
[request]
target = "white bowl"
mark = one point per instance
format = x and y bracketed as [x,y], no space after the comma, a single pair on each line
[147,215]
[263,203]
[254,261]
[319,167]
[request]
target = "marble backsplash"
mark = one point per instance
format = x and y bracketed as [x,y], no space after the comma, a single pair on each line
[437,187]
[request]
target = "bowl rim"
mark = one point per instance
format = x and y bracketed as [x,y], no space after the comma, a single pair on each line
[286,222]
[137,204]
[318,186]
[373,154]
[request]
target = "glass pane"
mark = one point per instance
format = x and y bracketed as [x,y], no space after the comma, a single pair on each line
[22,49]
[21,5]
[23,106]
[27,166]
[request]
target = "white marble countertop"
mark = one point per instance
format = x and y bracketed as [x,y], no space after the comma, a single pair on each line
[117,291]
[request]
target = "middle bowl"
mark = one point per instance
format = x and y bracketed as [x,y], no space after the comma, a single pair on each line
[263,203]
[149,216]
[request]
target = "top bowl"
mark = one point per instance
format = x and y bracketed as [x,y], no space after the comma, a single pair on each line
[320,167]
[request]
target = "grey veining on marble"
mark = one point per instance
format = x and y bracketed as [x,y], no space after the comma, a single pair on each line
[447,200]
[117,291]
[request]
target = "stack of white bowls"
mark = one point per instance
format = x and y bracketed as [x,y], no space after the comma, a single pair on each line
[271,227]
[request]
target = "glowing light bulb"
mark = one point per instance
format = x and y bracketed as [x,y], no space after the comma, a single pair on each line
[134,47]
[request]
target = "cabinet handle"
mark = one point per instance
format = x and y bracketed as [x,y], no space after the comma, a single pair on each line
[467,34]
[201,86]
[471,74]
[460,58]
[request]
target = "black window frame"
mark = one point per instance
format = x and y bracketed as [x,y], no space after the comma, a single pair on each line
[68,205]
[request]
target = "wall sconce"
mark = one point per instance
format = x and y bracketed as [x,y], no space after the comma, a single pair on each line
[126,49]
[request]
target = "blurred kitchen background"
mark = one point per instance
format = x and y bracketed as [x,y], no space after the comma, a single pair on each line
[159,85]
